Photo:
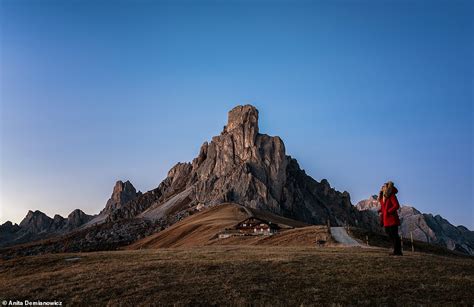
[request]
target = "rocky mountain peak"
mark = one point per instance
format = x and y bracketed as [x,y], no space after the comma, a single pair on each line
[238,141]
[76,213]
[58,217]
[32,215]
[122,193]
[369,204]
[243,120]
[77,218]
[36,221]
[244,166]
[9,227]
[58,221]
[240,164]
[122,188]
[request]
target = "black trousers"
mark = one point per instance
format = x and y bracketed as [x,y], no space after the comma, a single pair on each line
[392,232]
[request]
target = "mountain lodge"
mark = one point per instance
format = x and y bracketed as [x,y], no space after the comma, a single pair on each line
[256,226]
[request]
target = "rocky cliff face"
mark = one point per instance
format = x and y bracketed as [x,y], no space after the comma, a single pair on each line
[426,227]
[243,166]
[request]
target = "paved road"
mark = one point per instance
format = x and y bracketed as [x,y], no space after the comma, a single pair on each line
[340,235]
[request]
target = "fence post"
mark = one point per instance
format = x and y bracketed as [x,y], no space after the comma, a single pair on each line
[411,238]
[401,241]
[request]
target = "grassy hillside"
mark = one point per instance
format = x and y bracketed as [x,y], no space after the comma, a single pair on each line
[202,229]
[239,275]
[197,229]
[304,236]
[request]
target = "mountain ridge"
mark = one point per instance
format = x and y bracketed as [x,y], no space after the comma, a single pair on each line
[36,225]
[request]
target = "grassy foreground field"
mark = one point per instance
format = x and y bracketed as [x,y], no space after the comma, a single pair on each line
[239,275]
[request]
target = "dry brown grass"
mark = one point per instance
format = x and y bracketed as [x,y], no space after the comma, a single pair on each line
[197,229]
[203,229]
[305,236]
[240,275]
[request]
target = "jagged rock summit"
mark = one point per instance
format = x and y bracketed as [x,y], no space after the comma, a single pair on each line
[36,222]
[243,166]
[122,193]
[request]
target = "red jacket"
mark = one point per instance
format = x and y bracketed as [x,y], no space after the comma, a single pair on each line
[389,209]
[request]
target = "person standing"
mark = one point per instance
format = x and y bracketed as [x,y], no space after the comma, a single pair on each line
[389,215]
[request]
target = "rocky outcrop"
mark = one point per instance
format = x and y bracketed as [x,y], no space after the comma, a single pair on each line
[36,222]
[243,166]
[426,227]
[76,219]
[8,232]
[9,227]
[122,193]
[58,222]
[371,204]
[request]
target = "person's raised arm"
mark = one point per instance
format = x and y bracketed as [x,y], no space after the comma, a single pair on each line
[380,201]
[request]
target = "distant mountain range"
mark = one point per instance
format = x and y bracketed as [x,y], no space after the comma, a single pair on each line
[36,226]
[240,166]
[91,232]
[426,227]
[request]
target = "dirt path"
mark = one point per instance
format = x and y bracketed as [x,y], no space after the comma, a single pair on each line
[340,235]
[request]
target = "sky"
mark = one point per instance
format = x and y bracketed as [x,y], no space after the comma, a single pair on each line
[361,92]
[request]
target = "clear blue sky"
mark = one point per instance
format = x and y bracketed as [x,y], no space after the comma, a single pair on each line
[360,91]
